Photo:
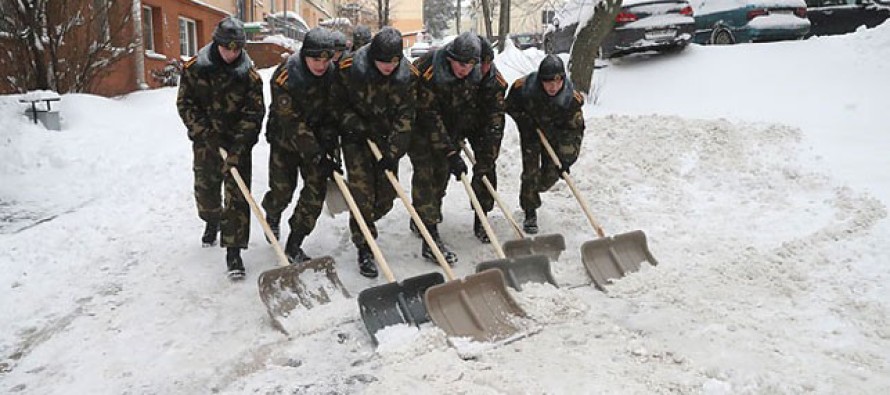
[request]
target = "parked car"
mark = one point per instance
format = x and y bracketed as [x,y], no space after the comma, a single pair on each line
[844,16]
[641,25]
[526,40]
[743,21]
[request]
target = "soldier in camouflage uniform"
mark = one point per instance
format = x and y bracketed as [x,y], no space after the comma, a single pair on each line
[377,89]
[486,138]
[340,45]
[303,137]
[447,91]
[547,100]
[361,35]
[221,103]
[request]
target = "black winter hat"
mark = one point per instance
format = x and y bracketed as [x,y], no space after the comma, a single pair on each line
[465,48]
[318,43]
[487,53]
[361,36]
[386,45]
[229,33]
[551,68]
[339,40]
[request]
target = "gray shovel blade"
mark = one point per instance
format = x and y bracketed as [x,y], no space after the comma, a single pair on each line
[550,245]
[394,303]
[518,271]
[334,201]
[283,290]
[477,306]
[615,256]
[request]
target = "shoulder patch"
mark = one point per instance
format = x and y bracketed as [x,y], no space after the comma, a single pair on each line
[282,78]
[190,62]
[519,83]
[428,75]
[414,70]
[578,97]
[345,64]
[255,75]
[500,79]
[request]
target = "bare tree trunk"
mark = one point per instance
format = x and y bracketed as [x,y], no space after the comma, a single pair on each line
[586,48]
[458,17]
[486,13]
[503,23]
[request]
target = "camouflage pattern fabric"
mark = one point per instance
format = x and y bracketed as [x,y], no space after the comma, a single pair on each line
[444,101]
[301,127]
[486,139]
[561,120]
[222,106]
[382,109]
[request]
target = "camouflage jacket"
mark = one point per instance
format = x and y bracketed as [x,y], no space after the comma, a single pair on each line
[444,102]
[376,106]
[302,112]
[222,99]
[491,104]
[559,117]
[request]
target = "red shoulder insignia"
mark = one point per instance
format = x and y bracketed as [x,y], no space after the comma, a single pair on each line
[345,64]
[519,83]
[579,97]
[282,78]
[428,75]
[255,75]
[500,78]
[414,70]
[190,62]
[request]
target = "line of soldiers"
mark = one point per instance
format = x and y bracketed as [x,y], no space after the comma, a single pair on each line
[330,99]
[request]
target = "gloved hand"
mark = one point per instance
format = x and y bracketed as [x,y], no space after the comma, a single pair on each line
[327,164]
[456,165]
[387,163]
[230,162]
[566,165]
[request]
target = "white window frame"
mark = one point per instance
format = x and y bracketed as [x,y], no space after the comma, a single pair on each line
[188,37]
[148,29]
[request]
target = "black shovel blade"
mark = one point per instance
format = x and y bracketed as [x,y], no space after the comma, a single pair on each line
[520,270]
[396,303]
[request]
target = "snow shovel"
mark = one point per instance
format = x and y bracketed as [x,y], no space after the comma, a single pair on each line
[551,245]
[517,270]
[609,257]
[281,289]
[392,303]
[477,306]
[334,202]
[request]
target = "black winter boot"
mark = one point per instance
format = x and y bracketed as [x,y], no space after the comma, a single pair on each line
[479,231]
[293,250]
[234,263]
[530,225]
[427,252]
[275,226]
[210,231]
[367,266]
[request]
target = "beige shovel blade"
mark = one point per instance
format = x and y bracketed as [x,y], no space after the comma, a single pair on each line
[285,289]
[550,245]
[477,306]
[615,256]
[518,271]
[334,201]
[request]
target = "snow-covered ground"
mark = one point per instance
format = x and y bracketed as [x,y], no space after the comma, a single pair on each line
[759,173]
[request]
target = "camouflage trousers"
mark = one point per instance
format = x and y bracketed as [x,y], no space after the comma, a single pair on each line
[229,209]
[371,189]
[284,167]
[429,182]
[538,171]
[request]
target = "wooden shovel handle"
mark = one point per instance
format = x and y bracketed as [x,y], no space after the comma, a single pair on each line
[414,216]
[494,193]
[282,258]
[481,214]
[568,179]
[360,220]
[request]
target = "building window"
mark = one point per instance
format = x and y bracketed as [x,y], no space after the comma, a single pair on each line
[547,16]
[148,31]
[188,37]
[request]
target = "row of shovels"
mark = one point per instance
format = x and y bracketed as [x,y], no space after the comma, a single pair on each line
[477,306]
